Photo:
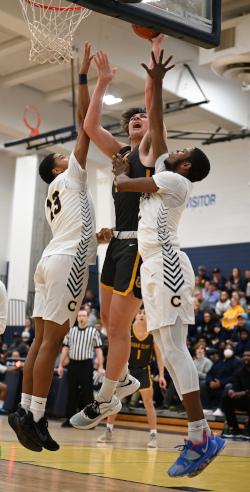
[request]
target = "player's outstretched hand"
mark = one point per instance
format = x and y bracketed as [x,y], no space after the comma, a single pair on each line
[120,165]
[160,68]
[105,72]
[87,58]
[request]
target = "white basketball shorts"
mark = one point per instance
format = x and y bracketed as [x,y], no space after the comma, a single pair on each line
[59,288]
[167,285]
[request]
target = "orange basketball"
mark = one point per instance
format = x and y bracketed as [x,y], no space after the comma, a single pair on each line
[144,32]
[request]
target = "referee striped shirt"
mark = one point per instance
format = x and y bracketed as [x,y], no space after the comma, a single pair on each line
[82,342]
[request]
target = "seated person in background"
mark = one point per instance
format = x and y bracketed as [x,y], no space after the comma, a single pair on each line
[202,363]
[218,336]
[3,387]
[91,299]
[211,294]
[238,398]
[208,322]
[220,374]
[19,345]
[244,342]
[223,304]
[230,316]
[201,277]
[242,322]
[199,297]
[142,347]
[29,328]
[3,307]
[247,285]
[235,282]
[218,279]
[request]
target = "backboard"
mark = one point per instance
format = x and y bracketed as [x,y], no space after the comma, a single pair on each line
[195,21]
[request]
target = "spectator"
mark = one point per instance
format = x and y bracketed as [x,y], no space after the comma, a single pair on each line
[19,345]
[29,328]
[238,398]
[201,277]
[211,294]
[3,307]
[244,342]
[242,322]
[92,318]
[79,345]
[3,387]
[223,304]
[208,322]
[91,299]
[199,297]
[218,336]
[230,316]
[203,365]
[247,285]
[235,282]
[218,279]
[218,377]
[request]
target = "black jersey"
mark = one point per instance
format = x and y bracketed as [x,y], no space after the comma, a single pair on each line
[127,203]
[141,350]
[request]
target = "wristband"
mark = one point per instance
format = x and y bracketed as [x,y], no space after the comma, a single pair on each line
[83,78]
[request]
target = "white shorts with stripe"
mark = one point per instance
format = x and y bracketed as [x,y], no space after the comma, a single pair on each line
[167,285]
[59,288]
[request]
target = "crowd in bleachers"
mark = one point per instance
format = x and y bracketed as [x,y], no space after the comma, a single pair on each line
[217,340]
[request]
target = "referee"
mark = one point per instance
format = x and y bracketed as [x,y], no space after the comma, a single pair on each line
[80,345]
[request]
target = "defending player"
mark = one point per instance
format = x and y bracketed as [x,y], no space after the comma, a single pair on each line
[61,276]
[167,274]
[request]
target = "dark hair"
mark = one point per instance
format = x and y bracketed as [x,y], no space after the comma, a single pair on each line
[200,165]
[45,168]
[127,115]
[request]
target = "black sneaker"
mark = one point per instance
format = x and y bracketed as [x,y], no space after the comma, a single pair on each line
[21,424]
[231,433]
[44,436]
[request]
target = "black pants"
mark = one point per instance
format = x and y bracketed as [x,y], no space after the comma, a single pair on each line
[80,379]
[229,406]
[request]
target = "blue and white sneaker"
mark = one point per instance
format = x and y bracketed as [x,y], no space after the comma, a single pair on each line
[221,444]
[194,457]
[93,413]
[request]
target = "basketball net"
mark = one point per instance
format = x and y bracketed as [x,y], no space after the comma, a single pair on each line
[52,26]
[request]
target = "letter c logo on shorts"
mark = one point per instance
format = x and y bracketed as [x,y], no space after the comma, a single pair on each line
[72,305]
[176,301]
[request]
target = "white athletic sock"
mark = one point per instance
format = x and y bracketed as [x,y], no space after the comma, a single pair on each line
[37,407]
[153,432]
[195,431]
[25,401]
[107,390]
[124,373]
[206,427]
[110,427]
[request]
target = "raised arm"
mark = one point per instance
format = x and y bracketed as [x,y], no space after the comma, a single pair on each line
[156,123]
[82,142]
[103,139]
[156,47]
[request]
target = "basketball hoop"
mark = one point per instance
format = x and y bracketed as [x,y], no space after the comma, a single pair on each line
[31,112]
[52,27]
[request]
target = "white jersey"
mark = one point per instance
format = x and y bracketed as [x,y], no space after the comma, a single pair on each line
[70,214]
[160,212]
[167,277]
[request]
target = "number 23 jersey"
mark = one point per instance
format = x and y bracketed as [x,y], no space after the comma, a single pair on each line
[70,214]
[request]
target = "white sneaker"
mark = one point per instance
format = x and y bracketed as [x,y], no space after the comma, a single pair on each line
[107,436]
[127,387]
[218,413]
[93,413]
[152,443]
